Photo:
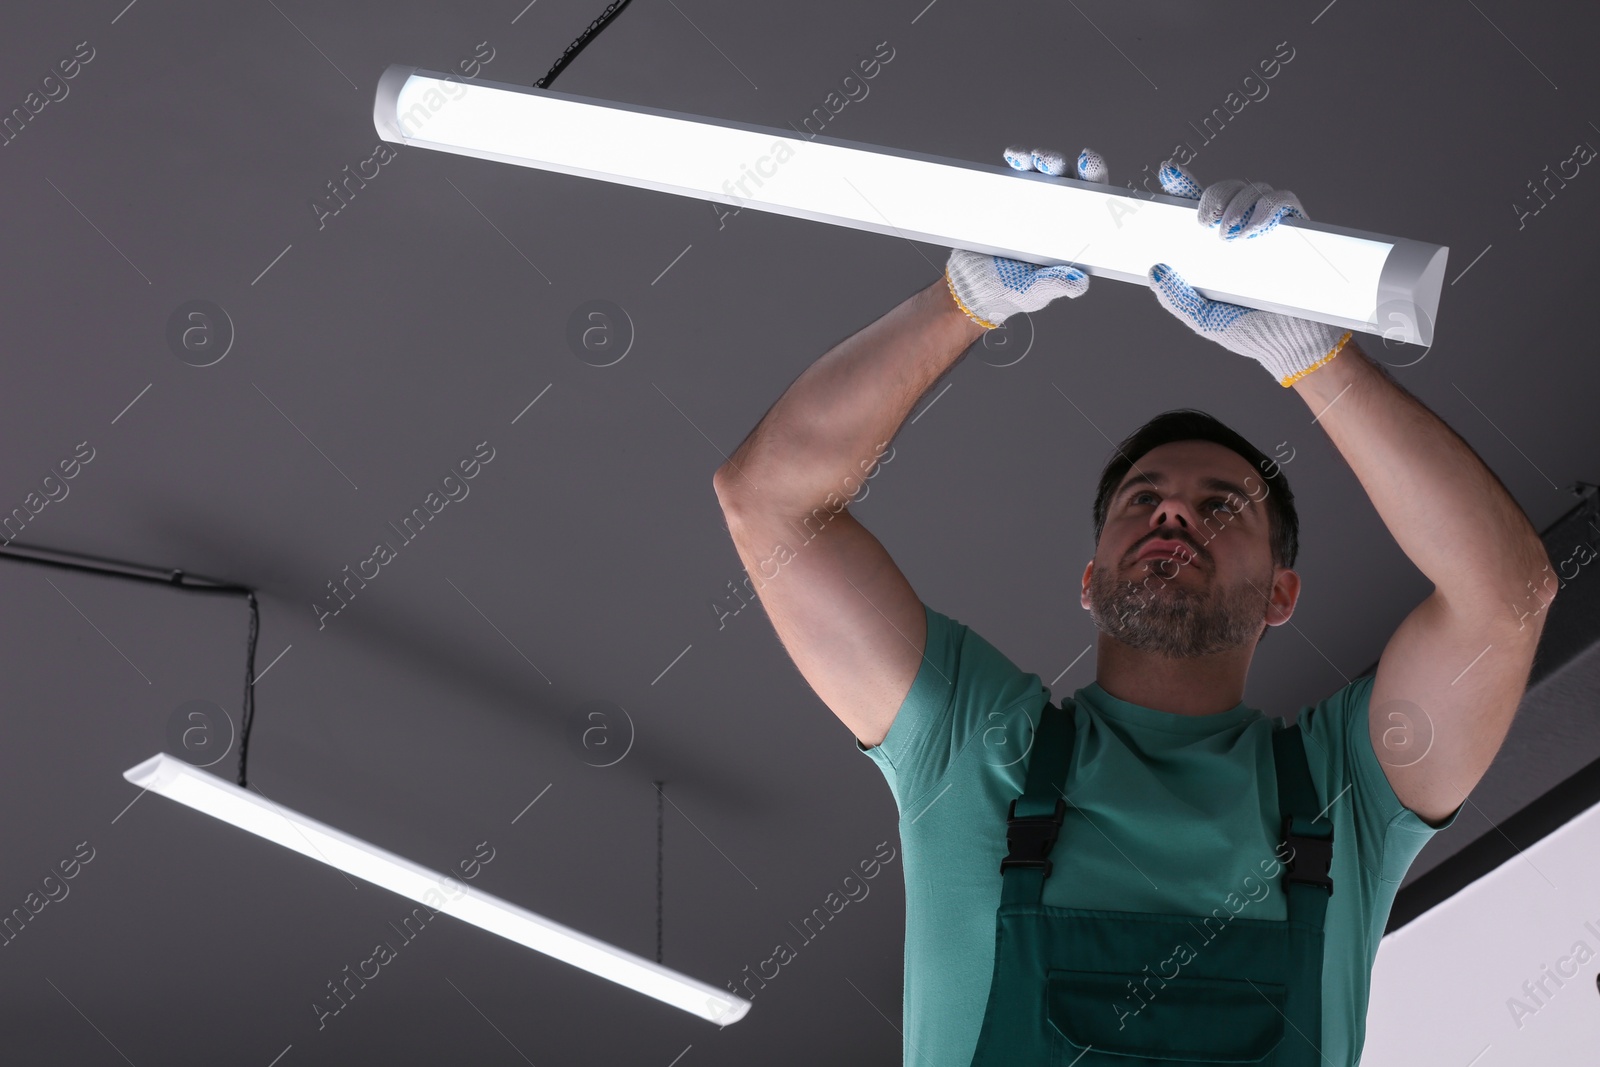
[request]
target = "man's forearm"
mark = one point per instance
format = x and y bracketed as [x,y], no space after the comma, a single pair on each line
[1443,506]
[846,407]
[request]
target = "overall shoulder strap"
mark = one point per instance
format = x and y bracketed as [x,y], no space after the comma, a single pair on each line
[1307,887]
[1306,830]
[1048,760]
[1034,820]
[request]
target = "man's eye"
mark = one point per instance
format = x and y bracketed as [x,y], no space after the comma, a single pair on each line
[1215,503]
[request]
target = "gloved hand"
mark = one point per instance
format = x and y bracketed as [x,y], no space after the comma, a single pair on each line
[991,289]
[1289,347]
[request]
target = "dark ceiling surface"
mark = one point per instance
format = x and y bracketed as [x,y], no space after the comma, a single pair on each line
[377,347]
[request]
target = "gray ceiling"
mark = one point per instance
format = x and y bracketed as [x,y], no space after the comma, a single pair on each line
[427,314]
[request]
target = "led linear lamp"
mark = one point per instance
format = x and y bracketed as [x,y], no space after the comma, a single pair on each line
[1332,274]
[177,780]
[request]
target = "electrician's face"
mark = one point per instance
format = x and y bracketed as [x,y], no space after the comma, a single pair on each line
[1213,592]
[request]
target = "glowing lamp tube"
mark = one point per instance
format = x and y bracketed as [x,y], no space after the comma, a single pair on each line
[177,780]
[1333,274]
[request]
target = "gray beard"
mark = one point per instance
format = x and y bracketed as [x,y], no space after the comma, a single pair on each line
[1176,622]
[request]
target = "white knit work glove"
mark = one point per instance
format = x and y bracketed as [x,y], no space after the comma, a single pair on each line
[990,289]
[1290,348]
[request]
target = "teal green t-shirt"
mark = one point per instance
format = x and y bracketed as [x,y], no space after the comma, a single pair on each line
[1167,813]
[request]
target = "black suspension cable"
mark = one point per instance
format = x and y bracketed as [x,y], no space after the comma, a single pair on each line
[138,572]
[612,11]
[659,797]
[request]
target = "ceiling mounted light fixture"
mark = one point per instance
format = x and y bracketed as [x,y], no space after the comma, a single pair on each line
[1332,274]
[177,780]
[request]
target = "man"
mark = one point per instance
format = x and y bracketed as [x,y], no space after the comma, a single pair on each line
[1169,781]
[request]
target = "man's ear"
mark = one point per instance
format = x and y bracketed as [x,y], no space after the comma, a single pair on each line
[1285,594]
[1083,593]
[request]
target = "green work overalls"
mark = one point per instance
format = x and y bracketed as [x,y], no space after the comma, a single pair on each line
[1086,988]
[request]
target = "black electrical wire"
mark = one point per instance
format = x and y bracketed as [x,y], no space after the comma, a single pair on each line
[138,572]
[249,712]
[612,11]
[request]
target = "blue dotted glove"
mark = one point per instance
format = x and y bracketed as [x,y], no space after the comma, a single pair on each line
[990,289]
[1290,348]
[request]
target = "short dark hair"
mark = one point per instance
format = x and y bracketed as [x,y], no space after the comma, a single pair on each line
[1191,424]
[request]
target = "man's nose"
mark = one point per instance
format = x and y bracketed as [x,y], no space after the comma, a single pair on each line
[1170,511]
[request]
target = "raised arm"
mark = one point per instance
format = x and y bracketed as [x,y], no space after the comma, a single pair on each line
[1451,677]
[845,613]
[843,610]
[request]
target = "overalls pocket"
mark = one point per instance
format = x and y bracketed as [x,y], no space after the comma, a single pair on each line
[1189,1020]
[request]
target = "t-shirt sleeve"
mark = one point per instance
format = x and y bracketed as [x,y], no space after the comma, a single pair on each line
[1388,834]
[964,689]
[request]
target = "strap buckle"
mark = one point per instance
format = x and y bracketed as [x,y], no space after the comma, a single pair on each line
[1030,838]
[1311,862]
